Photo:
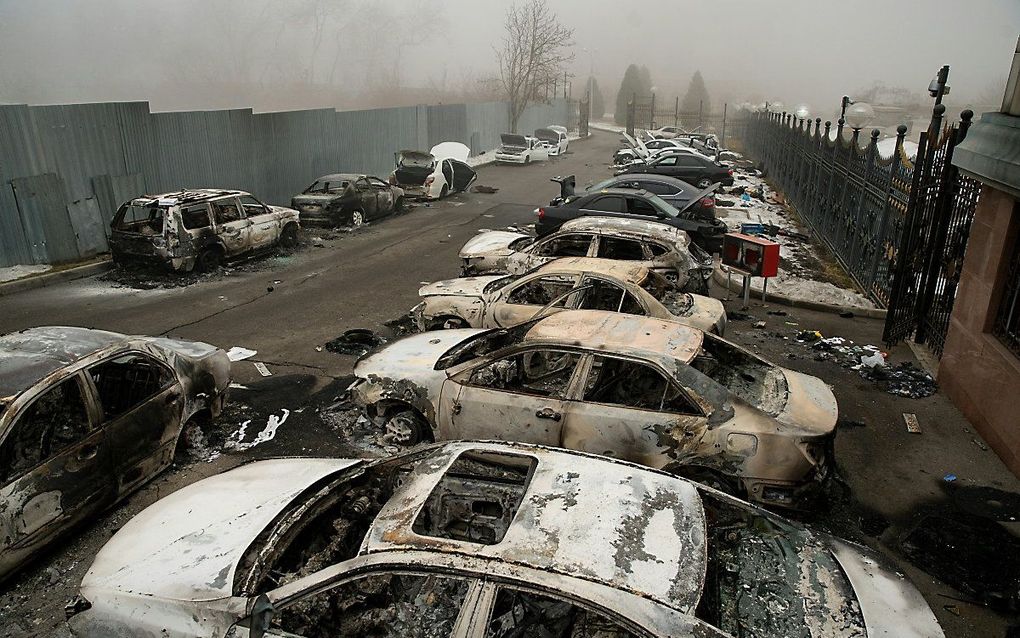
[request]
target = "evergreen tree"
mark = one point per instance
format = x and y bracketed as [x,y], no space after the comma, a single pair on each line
[598,101]
[646,81]
[697,96]
[632,84]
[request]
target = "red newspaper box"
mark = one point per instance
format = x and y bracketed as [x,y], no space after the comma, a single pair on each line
[753,255]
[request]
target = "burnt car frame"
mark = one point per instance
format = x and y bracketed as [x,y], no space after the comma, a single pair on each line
[473,539]
[663,248]
[565,283]
[646,390]
[347,199]
[198,229]
[435,174]
[87,417]
[627,203]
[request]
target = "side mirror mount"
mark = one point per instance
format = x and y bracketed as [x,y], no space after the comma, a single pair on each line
[262,612]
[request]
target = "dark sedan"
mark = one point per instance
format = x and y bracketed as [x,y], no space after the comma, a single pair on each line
[632,203]
[87,417]
[695,203]
[345,199]
[696,169]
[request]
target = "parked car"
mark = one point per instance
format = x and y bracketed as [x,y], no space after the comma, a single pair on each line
[480,539]
[86,418]
[496,301]
[436,174]
[198,228]
[690,167]
[631,204]
[557,140]
[662,248]
[692,202]
[646,390]
[347,199]
[521,149]
[666,132]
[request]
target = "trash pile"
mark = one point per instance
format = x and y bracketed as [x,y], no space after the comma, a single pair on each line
[903,379]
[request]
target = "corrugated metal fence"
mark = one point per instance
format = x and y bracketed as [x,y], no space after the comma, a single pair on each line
[65,169]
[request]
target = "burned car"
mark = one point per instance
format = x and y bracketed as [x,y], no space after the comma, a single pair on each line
[664,249]
[480,539]
[198,229]
[562,284]
[87,417]
[521,149]
[646,390]
[346,199]
[435,174]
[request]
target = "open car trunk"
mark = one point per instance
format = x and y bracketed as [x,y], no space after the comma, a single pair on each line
[413,167]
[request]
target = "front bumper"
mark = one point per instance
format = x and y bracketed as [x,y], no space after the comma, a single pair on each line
[510,159]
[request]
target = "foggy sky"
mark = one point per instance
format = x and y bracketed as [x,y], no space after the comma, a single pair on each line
[274,54]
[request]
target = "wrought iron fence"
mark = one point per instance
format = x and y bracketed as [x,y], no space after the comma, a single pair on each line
[852,198]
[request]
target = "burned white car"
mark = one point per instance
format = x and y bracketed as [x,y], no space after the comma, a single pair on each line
[521,149]
[436,174]
[646,390]
[479,540]
[566,283]
[198,228]
[665,249]
[87,417]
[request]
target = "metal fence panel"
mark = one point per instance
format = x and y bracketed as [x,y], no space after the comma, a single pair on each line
[40,201]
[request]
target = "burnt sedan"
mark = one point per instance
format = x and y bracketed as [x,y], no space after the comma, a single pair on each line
[646,390]
[88,416]
[346,199]
[480,540]
[629,203]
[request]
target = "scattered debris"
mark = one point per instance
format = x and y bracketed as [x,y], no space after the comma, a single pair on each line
[849,423]
[268,433]
[912,425]
[778,313]
[949,478]
[356,341]
[846,314]
[758,324]
[903,379]
[237,353]
[481,188]
[263,370]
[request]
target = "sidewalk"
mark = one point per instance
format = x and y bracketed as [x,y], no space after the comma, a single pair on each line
[38,277]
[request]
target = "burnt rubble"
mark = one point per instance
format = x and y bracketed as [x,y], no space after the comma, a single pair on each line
[902,379]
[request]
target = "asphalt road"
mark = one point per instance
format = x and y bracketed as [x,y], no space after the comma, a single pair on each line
[364,279]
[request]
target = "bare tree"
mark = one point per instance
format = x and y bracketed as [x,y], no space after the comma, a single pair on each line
[535,49]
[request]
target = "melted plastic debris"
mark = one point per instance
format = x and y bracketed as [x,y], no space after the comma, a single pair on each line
[903,379]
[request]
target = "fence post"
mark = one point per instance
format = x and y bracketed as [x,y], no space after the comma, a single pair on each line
[651,114]
[901,132]
[701,106]
[676,112]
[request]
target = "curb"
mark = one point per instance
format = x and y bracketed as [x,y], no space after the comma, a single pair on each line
[872,313]
[46,279]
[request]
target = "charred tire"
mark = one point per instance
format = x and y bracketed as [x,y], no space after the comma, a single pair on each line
[357,218]
[289,237]
[209,260]
[447,323]
[190,434]
[398,205]
[704,183]
[406,428]
[445,192]
[527,160]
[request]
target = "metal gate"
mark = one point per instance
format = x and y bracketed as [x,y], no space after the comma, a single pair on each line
[926,271]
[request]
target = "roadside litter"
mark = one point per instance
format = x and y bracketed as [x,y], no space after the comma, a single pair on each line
[903,379]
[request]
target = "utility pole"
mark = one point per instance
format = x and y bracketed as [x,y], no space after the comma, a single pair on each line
[564,84]
[651,115]
[676,112]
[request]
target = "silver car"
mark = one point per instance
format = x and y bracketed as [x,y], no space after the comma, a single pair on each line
[479,540]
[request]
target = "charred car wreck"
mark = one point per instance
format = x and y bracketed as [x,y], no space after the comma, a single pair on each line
[345,199]
[198,228]
[471,539]
[646,390]
[87,417]
[435,174]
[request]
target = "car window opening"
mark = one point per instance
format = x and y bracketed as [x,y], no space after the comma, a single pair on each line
[630,384]
[537,372]
[54,421]
[477,498]
[749,378]
[143,220]
[483,344]
[127,381]
[516,614]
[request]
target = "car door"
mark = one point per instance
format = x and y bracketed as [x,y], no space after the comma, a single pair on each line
[265,224]
[54,468]
[521,300]
[629,409]
[663,166]
[690,168]
[232,227]
[383,196]
[366,196]
[142,405]
[560,244]
[520,396]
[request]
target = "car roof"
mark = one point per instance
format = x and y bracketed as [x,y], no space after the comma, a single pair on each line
[650,526]
[663,341]
[186,196]
[652,177]
[346,176]
[625,226]
[623,270]
[29,356]
[623,192]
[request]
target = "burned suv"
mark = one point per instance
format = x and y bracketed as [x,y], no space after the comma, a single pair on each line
[198,228]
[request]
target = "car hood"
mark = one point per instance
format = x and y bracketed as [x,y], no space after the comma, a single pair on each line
[513,140]
[462,286]
[187,545]
[704,313]
[413,358]
[810,404]
[495,242]
[283,209]
[203,369]
[451,150]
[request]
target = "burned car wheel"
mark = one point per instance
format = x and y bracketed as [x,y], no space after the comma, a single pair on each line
[208,260]
[289,237]
[405,428]
[398,205]
[704,183]
[357,219]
